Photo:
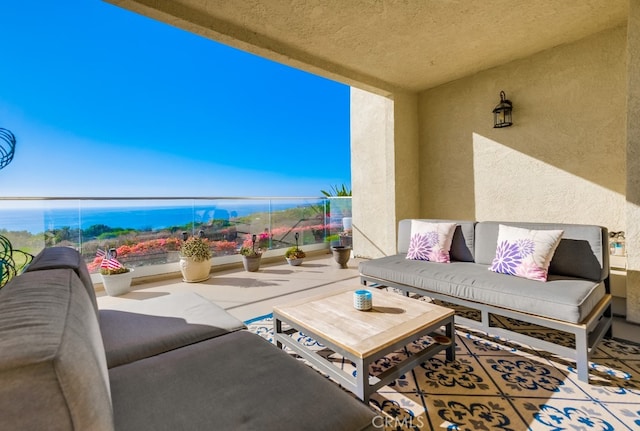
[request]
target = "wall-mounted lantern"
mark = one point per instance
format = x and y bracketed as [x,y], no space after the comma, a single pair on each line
[502,112]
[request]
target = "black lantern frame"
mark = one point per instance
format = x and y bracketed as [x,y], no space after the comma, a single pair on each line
[502,113]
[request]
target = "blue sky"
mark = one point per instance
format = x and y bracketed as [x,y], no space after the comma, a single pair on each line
[105,102]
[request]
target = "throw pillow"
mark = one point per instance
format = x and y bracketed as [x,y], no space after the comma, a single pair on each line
[525,253]
[430,241]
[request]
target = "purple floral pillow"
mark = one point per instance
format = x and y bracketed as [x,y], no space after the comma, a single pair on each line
[430,241]
[525,253]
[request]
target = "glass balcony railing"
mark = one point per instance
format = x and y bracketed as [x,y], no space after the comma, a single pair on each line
[147,232]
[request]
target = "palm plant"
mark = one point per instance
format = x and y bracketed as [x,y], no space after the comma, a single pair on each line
[342,205]
[337,191]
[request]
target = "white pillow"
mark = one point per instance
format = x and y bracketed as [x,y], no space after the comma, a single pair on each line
[525,253]
[430,241]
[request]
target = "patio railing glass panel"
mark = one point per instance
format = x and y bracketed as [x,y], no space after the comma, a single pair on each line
[149,232]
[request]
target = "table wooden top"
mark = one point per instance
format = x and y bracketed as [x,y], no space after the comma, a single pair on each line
[394,317]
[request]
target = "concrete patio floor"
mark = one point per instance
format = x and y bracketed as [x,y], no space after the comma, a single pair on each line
[247,295]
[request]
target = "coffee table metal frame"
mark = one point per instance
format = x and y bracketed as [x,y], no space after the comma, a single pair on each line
[362,384]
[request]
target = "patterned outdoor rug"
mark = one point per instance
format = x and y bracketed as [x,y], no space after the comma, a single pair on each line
[498,385]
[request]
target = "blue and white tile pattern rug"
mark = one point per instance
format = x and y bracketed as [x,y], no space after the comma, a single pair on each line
[498,385]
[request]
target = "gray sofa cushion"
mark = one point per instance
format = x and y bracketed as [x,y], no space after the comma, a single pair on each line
[53,373]
[234,382]
[462,245]
[138,329]
[564,298]
[64,257]
[583,251]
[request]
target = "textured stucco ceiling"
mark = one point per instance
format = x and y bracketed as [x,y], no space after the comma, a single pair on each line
[408,45]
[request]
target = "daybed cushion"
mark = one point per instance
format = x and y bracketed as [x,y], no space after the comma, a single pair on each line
[563,298]
[53,373]
[138,329]
[235,382]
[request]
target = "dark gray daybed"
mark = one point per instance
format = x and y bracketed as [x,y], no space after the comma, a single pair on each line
[173,362]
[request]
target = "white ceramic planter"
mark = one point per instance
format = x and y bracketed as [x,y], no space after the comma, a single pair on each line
[295,262]
[192,271]
[117,284]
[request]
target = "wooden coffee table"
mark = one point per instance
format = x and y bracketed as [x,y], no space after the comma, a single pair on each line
[365,336]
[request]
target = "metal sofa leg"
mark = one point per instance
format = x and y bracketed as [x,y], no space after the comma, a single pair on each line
[582,356]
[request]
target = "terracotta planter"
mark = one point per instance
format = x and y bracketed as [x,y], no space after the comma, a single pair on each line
[117,284]
[341,254]
[251,263]
[192,271]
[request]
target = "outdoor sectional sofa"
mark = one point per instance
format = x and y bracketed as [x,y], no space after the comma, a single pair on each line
[575,298]
[173,362]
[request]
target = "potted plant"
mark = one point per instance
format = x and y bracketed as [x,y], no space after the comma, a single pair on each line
[294,254]
[346,238]
[251,256]
[341,254]
[195,256]
[116,278]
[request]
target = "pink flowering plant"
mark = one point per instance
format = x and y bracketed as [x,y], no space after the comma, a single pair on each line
[225,247]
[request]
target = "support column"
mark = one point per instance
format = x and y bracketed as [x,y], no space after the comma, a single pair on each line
[384,169]
[633,163]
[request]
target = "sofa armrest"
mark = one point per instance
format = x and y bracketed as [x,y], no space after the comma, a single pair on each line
[64,257]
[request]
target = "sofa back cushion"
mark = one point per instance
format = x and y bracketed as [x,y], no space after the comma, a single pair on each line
[461,246]
[53,372]
[583,250]
[65,257]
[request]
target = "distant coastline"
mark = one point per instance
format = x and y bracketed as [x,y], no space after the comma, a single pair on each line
[37,221]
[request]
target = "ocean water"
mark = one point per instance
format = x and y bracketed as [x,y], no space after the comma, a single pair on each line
[139,218]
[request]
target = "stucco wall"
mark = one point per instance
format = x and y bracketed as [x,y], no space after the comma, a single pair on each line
[633,164]
[384,168]
[564,158]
